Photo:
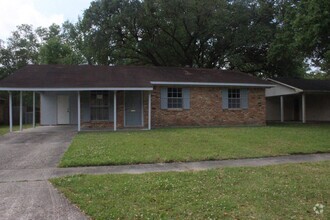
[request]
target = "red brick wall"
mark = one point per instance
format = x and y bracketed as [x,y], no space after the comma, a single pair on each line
[206,110]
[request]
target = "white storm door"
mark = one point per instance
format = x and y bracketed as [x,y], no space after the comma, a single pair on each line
[63,110]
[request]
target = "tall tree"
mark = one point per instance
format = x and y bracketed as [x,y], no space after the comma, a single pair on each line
[56,50]
[21,48]
[312,31]
[237,34]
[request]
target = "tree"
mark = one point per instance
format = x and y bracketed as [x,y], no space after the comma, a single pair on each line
[237,34]
[56,52]
[261,37]
[55,49]
[21,49]
[311,28]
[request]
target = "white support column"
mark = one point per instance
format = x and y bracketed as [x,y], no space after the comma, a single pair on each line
[282,109]
[10,112]
[303,108]
[34,110]
[79,118]
[149,110]
[20,111]
[115,110]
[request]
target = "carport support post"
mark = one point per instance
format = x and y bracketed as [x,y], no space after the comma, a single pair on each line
[282,109]
[78,97]
[20,111]
[115,110]
[34,110]
[303,106]
[10,112]
[149,110]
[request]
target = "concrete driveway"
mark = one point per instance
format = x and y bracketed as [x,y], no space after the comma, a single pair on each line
[37,148]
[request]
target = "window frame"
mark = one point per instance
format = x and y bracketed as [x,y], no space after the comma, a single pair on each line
[234,98]
[105,106]
[175,100]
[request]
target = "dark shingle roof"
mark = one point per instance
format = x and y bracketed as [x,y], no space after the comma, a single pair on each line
[306,84]
[87,76]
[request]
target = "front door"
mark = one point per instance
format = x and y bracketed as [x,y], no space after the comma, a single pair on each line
[133,109]
[63,110]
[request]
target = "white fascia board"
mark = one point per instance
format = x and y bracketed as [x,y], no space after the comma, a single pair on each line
[212,84]
[283,84]
[77,89]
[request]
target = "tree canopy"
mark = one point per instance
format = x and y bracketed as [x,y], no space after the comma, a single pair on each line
[261,37]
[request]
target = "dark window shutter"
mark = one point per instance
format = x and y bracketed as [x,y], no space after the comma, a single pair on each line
[186,98]
[244,98]
[224,96]
[163,98]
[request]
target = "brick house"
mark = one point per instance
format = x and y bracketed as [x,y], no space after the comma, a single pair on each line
[141,97]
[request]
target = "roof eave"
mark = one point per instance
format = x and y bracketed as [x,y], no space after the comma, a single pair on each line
[76,89]
[298,90]
[316,91]
[208,84]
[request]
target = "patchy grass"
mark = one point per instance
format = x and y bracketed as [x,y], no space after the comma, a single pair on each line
[193,144]
[4,129]
[273,192]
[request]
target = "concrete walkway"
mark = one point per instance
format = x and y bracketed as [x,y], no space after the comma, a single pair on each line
[47,173]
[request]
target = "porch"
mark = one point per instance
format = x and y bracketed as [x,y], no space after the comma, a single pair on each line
[90,109]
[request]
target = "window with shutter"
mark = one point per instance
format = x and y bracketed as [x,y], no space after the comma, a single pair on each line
[175,98]
[235,99]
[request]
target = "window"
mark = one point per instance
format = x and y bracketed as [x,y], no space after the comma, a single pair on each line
[234,98]
[174,96]
[100,106]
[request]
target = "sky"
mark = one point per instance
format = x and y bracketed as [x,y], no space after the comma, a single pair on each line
[38,13]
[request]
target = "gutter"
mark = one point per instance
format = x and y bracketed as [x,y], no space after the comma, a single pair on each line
[213,84]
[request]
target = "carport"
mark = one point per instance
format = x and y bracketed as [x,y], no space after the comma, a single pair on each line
[294,99]
[80,95]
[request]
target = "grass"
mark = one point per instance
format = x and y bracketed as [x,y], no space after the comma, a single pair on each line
[273,192]
[4,129]
[194,144]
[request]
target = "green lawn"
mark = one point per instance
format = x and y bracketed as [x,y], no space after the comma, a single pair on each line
[193,144]
[3,130]
[273,192]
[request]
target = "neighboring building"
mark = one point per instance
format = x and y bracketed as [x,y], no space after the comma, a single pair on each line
[142,97]
[294,99]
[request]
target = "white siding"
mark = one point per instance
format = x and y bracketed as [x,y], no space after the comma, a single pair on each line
[48,107]
[279,90]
